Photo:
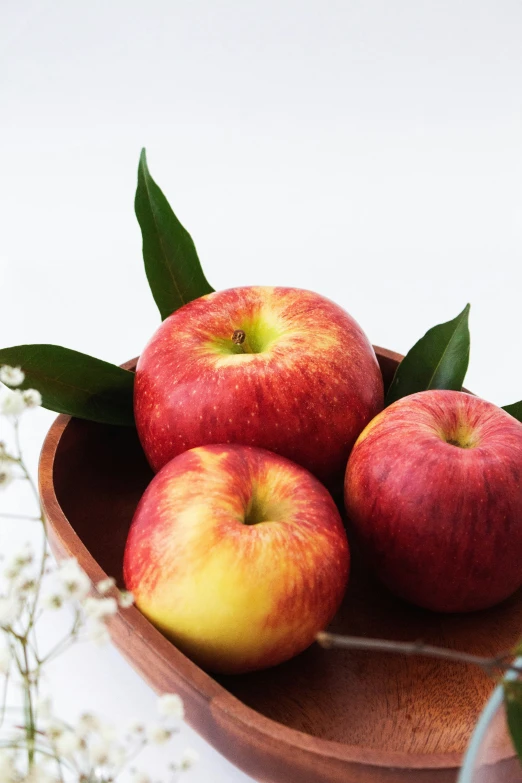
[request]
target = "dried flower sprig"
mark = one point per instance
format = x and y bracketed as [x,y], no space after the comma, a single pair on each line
[35,745]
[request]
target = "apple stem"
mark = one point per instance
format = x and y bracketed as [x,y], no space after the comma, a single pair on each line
[489,665]
[239,338]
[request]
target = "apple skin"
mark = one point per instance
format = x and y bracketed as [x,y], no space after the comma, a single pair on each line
[306,391]
[440,523]
[237,596]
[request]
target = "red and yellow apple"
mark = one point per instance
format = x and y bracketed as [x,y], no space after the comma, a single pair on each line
[238,555]
[433,489]
[278,368]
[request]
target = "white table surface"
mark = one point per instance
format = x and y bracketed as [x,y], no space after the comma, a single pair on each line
[371,151]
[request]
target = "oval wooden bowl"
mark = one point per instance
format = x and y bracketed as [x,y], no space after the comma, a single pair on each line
[325,716]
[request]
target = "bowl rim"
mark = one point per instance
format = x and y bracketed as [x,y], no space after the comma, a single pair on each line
[201,685]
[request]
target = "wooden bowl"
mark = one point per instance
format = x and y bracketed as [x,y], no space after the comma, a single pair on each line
[326,715]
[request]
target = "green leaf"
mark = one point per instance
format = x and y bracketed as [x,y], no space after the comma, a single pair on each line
[74,383]
[439,360]
[513,702]
[172,265]
[514,410]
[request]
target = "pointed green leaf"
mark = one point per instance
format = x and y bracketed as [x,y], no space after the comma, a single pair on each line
[171,263]
[74,383]
[514,410]
[439,360]
[513,702]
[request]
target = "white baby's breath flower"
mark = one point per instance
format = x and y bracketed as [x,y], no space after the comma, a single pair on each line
[97,633]
[139,777]
[103,753]
[25,585]
[9,611]
[106,585]
[99,753]
[12,403]
[52,601]
[158,735]
[100,608]
[6,474]
[189,758]
[18,562]
[97,611]
[87,724]
[32,398]
[170,705]
[53,730]
[44,708]
[11,376]
[39,774]
[5,454]
[118,756]
[136,728]
[74,579]
[8,773]
[5,657]
[68,743]
[125,599]
[108,732]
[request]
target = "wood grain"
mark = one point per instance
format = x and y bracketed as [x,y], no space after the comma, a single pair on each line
[327,715]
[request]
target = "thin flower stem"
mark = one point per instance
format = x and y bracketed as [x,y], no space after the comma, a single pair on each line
[30,726]
[41,573]
[17,745]
[23,641]
[500,663]
[25,471]
[64,643]
[4,699]
[32,738]
[59,767]
[57,650]
[61,761]
[41,518]
[34,648]
[130,758]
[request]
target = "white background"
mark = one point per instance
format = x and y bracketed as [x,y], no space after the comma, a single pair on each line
[369,150]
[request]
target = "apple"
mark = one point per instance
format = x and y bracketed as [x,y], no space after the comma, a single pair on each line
[238,555]
[279,368]
[433,489]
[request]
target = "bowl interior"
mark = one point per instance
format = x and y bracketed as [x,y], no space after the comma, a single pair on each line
[372,700]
